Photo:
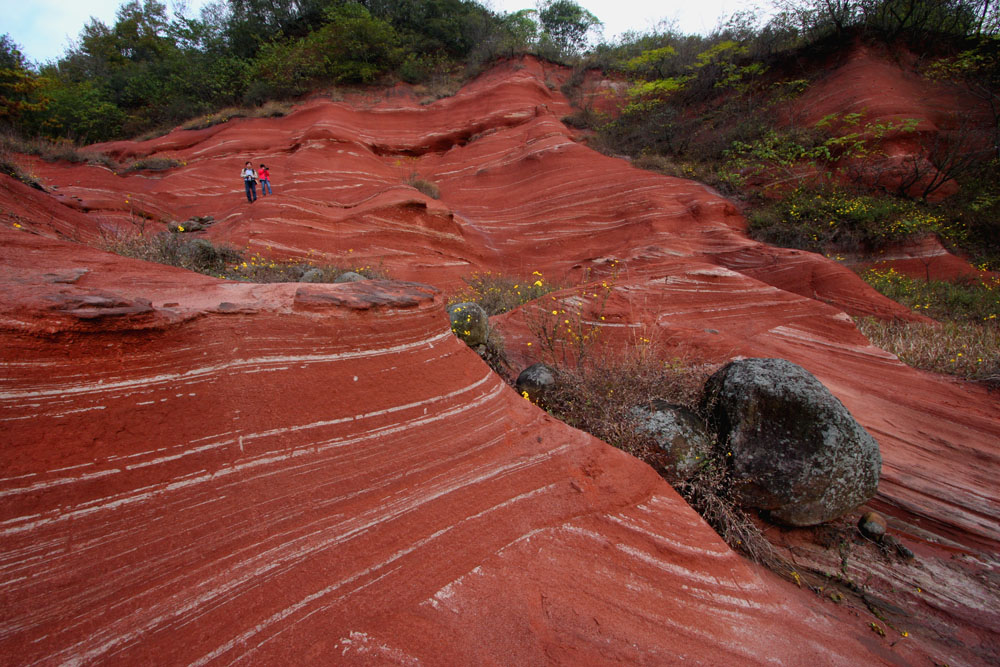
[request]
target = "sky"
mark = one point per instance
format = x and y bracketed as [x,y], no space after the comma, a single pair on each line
[45,28]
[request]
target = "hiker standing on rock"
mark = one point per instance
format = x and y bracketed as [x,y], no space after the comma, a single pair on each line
[250,182]
[265,181]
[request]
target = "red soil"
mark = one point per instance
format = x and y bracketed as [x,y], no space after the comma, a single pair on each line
[196,470]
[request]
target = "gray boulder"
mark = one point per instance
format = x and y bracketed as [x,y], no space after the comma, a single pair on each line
[312,276]
[679,433]
[469,322]
[793,448]
[349,277]
[536,380]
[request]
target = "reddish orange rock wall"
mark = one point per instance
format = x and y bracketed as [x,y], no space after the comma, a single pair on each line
[200,471]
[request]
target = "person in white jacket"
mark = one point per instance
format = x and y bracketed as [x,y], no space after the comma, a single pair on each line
[250,182]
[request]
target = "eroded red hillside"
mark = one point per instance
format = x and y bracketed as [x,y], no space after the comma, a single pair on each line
[204,471]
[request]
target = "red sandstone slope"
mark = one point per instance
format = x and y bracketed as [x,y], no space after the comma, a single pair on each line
[204,470]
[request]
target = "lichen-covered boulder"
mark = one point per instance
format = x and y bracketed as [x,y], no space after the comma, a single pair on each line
[535,381]
[349,277]
[469,322]
[312,276]
[679,433]
[795,449]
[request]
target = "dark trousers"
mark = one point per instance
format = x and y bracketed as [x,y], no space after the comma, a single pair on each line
[251,187]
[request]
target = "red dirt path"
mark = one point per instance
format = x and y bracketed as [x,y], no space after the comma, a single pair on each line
[203,471]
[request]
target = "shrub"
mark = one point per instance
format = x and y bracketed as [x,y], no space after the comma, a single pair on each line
[821,219]
[498,293]
[969,300]
[193,254]
[154,164]
[425,186]
[220,261]
[260,269]
[10,166]
[54,150]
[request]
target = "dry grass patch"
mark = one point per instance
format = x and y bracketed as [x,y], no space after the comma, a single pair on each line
[969,350]
[270,109]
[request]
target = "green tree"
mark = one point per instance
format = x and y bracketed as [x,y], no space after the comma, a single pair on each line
[566,24]
[18,85]
[352,46]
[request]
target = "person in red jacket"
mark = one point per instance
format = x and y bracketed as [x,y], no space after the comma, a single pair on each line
[265,181]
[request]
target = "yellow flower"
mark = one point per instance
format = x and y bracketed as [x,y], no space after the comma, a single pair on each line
[529,345]
[17,226]
[555,312]
[180,228]
[525,395]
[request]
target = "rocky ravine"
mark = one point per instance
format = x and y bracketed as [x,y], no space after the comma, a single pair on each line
[198,471]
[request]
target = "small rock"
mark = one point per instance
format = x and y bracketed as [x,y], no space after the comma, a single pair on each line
[900,548]
[469,322]
[537,380]
[872,525]
[349,277]
[186,226]
[679,433]
[312,276]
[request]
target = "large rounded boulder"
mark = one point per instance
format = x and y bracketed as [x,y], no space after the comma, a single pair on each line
[792,447]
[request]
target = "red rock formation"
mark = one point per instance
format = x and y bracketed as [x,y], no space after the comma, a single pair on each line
[205,471]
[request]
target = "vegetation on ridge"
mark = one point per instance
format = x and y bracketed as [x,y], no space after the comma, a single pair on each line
[150,70]
[222,261]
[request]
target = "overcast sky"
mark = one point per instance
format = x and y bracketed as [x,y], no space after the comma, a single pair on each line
[44,28]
